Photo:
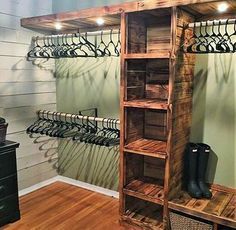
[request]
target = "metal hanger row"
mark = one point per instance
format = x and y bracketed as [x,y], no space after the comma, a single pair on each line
[215,36]
[77,127]
[88,44]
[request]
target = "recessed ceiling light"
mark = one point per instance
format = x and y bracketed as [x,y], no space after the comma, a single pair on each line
[222,7]
[58,26]
[100,21]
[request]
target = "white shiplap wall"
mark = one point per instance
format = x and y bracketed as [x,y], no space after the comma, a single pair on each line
[25,88]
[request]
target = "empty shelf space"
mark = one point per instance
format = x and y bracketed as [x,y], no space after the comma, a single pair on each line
[159,55]
[220,209]
[149,147]
[147,104]
[147,189]
[144,214]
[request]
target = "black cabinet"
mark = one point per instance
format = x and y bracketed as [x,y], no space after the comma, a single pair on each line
[9,202]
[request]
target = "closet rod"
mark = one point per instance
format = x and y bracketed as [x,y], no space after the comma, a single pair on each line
[212,22]
[51,116]
[92,33]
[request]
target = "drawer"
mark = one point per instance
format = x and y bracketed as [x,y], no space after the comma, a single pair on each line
[9,205]
[8,186]
[7,163]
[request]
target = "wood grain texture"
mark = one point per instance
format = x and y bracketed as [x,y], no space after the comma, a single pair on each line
[219,209]
[143,214]
[46,22]
[63,206]
[147,146]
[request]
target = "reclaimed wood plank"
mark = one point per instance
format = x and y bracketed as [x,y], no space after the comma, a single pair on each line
[148,146]
[147,104]
[230,210]
[218,203]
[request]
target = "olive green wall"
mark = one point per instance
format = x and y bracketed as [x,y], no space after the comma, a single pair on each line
[84,83]
[214,114]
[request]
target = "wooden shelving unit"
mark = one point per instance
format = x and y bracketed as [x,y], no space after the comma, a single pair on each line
[155,106]
[151,102]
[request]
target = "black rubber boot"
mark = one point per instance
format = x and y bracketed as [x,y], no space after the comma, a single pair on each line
[192,161]
[203,156]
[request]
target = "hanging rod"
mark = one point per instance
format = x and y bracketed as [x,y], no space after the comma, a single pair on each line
[212,22]
[92,33]
[67,116]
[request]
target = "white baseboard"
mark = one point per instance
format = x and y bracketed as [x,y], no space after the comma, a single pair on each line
[67,180]
[37,186]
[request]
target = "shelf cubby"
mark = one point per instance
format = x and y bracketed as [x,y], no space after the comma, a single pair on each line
[145,177]
[146,188]
[147,83]
[149,31]
[146,131]
[143,214]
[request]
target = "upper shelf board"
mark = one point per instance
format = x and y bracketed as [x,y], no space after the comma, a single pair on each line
[86,19]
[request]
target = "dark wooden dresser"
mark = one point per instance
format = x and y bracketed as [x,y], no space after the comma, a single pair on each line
[9,202]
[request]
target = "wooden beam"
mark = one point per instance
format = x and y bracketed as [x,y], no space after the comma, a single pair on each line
[107,10]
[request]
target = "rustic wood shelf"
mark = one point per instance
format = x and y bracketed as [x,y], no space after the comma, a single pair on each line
[147,104]
[147,147]
[159,55]
[147,189]
[220,209]
[144,215]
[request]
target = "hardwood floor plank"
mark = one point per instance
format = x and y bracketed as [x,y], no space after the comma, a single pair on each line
[63,206]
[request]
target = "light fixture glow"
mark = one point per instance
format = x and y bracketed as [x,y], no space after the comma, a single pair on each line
[223,7]
[100,21]
[58,26]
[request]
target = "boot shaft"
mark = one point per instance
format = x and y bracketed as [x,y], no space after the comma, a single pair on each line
[203,156]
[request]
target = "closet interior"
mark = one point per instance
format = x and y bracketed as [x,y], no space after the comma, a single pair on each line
[157,42]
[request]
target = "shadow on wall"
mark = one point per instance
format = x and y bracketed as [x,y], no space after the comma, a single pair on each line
[213,118]
[49,146]
[92,164]
[70,68]
[199,108]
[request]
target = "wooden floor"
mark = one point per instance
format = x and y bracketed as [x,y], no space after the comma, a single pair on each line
[63,206]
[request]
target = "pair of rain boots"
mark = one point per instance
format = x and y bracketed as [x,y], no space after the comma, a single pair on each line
[197,160]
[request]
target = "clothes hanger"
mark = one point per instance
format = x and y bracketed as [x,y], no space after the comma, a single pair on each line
[36,123]
[200,46]
[118,45]
[221,45]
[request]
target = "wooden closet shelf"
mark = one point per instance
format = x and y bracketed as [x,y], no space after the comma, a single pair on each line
[147,147]
[146,216]
[220,209]
[147,104]
[146,188]
[160,55]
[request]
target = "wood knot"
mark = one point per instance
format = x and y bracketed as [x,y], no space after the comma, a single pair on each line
[140,4]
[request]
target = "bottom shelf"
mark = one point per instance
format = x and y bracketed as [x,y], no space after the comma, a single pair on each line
[143,214]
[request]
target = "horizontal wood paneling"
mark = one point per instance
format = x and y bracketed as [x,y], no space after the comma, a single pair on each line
[14,49]
[14,113]
[26,87]
[20,36]
[7,89]
[30,146]
[36,158]
[28,100]
[34,75]
[21,63]
[39,176]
